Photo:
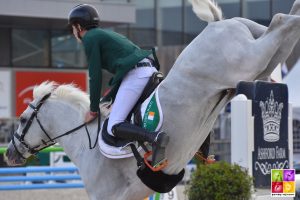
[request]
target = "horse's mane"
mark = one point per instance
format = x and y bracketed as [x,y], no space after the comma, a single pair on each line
[65,92]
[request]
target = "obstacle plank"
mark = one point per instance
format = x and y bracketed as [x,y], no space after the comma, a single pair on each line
[40,178]
[41,186]
[17,170]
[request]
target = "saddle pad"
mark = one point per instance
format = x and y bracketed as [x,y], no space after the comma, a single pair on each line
[152,116]
[151,113]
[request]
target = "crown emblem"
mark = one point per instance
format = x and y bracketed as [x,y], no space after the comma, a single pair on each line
[271,116]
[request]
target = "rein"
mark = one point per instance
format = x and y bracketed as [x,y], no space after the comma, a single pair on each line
[50,141]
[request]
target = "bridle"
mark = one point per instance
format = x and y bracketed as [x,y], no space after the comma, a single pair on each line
[50,141]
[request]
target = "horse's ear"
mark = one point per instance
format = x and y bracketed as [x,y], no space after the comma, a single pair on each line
[45,97]
[42,101]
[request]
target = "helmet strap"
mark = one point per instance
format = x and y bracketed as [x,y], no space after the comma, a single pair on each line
[77,31]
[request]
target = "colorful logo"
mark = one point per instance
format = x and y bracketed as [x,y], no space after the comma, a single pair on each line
[283,182]
[151,115]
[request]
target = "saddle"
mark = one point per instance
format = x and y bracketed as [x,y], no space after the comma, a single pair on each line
[147,114]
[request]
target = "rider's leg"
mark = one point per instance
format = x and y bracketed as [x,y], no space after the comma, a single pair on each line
[128,94]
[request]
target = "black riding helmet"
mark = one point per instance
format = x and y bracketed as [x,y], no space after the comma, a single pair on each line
[85,15]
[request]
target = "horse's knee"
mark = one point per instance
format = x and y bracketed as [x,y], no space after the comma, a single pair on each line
[284,21]
[278,19]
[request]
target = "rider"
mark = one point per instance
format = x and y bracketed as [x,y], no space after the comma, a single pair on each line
[132,68]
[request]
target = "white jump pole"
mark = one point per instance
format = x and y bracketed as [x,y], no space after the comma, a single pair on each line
[242,132]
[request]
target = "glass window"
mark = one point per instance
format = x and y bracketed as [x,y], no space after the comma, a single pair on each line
[5,47]
[192,24]
[279,6]
[169,21]
[230,8]
[30,48]
[66,51]
[116,1]
[258,10]
[145,14]
[142,32]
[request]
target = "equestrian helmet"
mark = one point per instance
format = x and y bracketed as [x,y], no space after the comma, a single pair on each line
[85,15]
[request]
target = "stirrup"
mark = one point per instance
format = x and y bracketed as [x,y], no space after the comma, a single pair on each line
[158,152]
[158,166]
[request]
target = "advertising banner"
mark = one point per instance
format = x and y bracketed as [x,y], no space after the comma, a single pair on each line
[5,94]
[27,80]
[271,149]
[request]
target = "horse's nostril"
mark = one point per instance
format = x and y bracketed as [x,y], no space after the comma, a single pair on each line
[7,153]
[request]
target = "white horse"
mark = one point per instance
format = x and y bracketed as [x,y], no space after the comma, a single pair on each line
[198,86]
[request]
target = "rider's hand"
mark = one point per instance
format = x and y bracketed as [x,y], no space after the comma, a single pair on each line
[89,116]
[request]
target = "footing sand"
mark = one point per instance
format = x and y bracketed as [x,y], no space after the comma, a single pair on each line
[51,194]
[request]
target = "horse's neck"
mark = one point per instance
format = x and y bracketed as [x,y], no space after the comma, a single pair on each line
[76,144]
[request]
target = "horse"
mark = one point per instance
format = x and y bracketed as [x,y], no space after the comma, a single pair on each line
[200,83]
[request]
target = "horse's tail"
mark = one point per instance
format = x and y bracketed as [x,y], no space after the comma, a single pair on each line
[207,10]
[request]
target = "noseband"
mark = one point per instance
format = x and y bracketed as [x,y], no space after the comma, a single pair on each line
[50,141]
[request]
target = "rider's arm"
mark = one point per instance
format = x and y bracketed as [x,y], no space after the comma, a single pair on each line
[92,50]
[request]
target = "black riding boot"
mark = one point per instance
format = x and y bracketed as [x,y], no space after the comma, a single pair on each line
[159,140]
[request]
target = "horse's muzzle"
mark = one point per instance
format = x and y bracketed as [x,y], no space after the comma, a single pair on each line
[12,158]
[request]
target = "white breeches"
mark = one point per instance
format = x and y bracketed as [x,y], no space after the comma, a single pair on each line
[129,93]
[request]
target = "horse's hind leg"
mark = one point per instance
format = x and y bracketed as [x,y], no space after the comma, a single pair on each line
[276,44]
[256,29]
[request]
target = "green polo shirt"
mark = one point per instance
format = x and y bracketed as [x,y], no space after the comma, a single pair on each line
[108,50]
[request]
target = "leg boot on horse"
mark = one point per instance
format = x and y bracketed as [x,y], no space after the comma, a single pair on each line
[159,140]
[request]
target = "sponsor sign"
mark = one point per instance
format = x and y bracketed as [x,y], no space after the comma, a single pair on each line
[27,80]
[270,112]
[5,94]
[271,150]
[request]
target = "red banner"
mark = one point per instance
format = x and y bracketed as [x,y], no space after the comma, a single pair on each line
[25,82]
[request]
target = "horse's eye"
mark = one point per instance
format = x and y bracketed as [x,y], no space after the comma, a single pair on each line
[23,120]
